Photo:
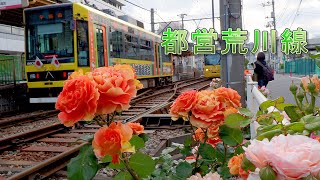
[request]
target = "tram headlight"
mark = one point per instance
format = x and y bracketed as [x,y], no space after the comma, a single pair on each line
[32,76]
[207,69]
[69,73]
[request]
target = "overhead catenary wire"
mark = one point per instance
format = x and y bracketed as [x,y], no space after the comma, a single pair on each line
[137,5]
[296,13]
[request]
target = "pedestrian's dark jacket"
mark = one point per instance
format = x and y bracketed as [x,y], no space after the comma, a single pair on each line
[259,69]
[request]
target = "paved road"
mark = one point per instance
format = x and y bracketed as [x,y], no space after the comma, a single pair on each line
[280,87]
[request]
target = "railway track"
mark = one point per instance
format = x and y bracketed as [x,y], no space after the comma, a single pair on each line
[40,153]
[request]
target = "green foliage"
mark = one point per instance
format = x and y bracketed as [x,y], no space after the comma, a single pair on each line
[267,173]
[123,176]
[230,136]
[183,170]
[246,112]
[237,121]
[117,165]
[106,159]
[84,166]
[247,165]
[142,164]
[137,142]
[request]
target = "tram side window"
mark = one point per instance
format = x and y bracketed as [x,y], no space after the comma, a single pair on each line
[83,45]
[131,50]
[116,45]
[146,50]
[165,58]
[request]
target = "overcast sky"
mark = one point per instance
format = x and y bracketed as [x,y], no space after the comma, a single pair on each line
[254,14]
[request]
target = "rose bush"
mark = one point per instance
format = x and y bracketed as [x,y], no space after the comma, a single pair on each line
[219,129]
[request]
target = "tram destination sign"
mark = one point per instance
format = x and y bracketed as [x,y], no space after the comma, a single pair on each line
[13,4]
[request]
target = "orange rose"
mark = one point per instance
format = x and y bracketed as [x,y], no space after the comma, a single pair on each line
[244,174]
[130,73]
[112,140]
[316,82]
[207,110]
[228,96]
[78,100]
[76,74]
[115,89]
[183,104]
[214,141]
[199,135]
[305,81]
[136,127]
[213,130]
[234,164]
[229,111]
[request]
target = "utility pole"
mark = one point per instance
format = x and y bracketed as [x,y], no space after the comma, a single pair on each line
[182,17]
[274,57]
[152,20]
[213,14]
[232,65]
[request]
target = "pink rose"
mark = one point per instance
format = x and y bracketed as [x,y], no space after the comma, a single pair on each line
[209,176]
[292,156]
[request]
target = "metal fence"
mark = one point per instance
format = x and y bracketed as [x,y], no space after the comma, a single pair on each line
[301,67]
[12,69]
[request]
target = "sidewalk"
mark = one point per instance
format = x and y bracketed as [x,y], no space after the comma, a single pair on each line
[280,87]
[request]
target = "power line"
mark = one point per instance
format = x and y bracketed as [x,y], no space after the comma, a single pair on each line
[137,5]
[188,19]
[296,13]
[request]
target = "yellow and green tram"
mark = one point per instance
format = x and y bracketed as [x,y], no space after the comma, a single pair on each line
[81,37]
[212,65]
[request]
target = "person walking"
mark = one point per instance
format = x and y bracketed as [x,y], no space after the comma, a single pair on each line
[262,70]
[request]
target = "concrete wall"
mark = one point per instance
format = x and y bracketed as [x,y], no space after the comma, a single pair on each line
[11,39]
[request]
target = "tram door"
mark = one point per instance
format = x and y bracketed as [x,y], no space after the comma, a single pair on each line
[157,59]
[101,46]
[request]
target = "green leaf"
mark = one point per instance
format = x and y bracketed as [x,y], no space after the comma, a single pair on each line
[224,172]
[184,170]
[265,119]
[246,112]
[84,166]
[142,164]
[230,136]
[245,122]
[239,150]
[117,166]
[234,120]
[292,113]
[220,152]
[106,159]
[188,142]
[277,116]
[314,56]
[310,119]
[247,165]
[295,126]
[123,176]
[263,129]
[313,126]
[279,100]
[269,134]
[267,173]
[206,151]
[317,48]
[137,142]
[259,113]
[204,169]
[186,150]
[144,137]
[282,106]
[265,105]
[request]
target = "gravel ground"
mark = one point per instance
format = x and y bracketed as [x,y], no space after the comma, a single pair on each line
[27,126]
